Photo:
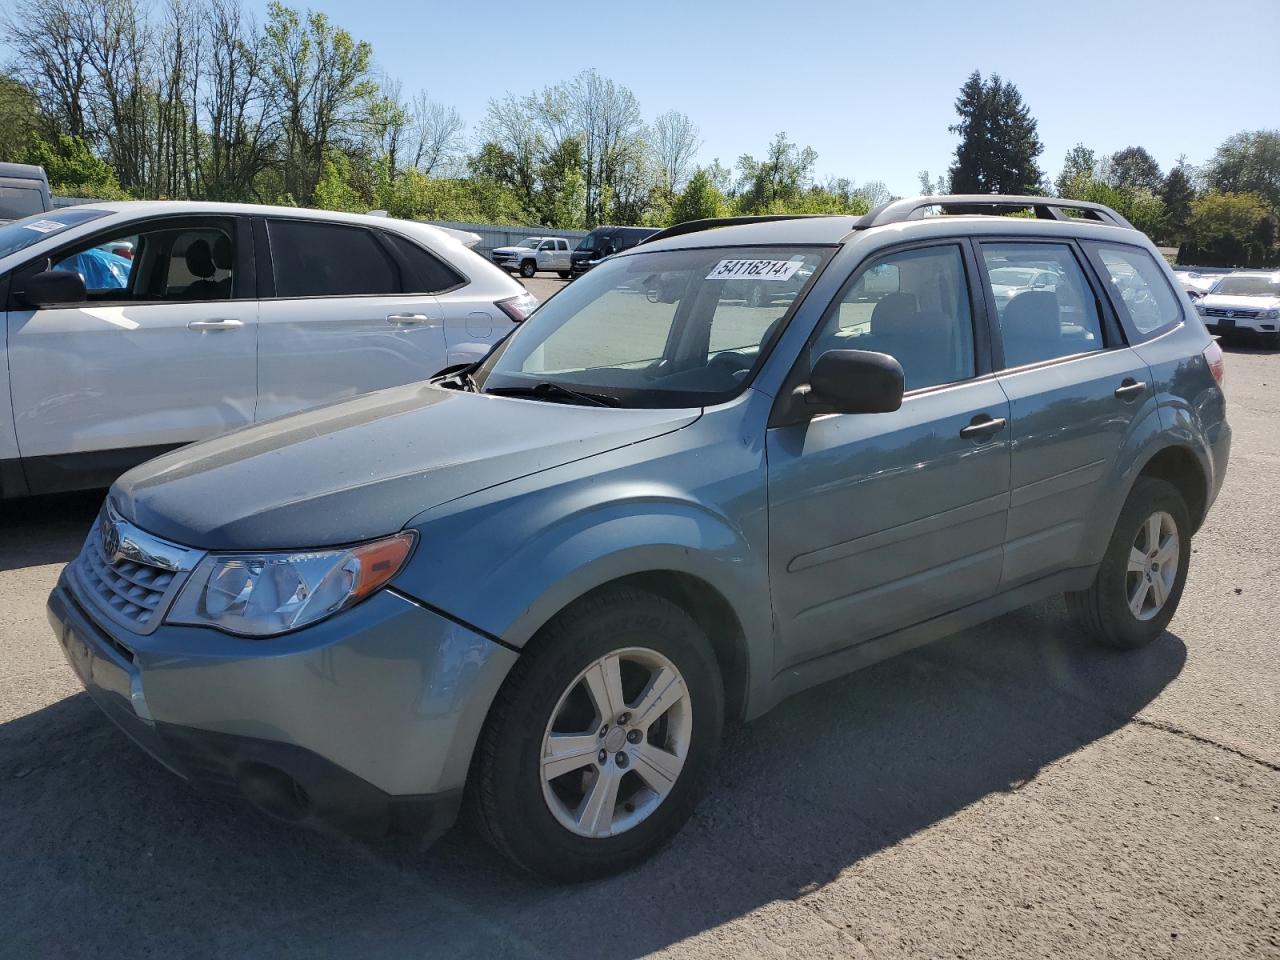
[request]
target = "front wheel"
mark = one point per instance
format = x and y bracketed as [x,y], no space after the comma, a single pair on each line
[1142,575]
[564,274]
[600,742]
[528,268]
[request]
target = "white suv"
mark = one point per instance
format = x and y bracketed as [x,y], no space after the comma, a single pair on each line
[1246,303]
[218,316]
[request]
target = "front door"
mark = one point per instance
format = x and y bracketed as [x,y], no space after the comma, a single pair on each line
[1076,393]
[340,318]
[880,521]
[161,352]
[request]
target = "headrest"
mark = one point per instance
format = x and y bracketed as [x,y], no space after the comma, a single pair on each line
[222,252]
[200,259]
[893,312]
[1032,314]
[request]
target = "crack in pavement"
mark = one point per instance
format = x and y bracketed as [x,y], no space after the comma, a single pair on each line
[1185,734]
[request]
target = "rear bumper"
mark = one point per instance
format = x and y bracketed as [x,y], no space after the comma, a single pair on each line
[367,726]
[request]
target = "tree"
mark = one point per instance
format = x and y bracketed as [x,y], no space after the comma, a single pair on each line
[73,169]
[1079,169]
[240,129]
[998,140]
[1226,229]
[320,78]
[20,119]
[770,184]
[1249,162]
[1178,195]
[675,143]
[436,135]
[700,199]
[1133,168]
[929,186]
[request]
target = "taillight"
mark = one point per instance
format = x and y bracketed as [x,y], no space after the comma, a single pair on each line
[518,308]
[1217,365]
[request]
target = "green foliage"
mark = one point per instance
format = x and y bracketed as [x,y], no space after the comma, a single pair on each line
[19,119]
[998,140]
[777,181]
[1079,168]
[1249,162]
[1178,193]
[415,196]
[73,169]
[700,200]
[334,191]
[1231,230]
[1133,168]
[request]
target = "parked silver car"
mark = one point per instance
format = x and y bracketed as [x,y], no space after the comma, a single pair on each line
[541,585]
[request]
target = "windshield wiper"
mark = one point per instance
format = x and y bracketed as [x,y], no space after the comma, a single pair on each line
[547,390]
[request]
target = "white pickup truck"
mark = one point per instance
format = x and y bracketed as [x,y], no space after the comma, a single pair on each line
[533,254]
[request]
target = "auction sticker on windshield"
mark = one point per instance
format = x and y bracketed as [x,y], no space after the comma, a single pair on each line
[44,226]
[755,269]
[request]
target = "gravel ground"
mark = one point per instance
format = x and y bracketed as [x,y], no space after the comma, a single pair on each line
[1006,792]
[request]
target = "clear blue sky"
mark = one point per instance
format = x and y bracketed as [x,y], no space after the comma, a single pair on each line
[869,85]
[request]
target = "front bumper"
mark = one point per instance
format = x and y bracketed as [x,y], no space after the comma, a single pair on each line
[1255,326]
[366,721]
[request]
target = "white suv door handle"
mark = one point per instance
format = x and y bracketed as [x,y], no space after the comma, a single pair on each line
[407,318]
[222,323]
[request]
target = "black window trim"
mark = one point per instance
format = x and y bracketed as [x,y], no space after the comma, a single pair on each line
[405,267]
[1135,336]
[1112,333]
[244,258]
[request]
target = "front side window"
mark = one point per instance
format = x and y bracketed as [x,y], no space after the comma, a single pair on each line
[912,305]
[1046,307]
[668,329]
[1141,285]
[329,260]
[154,262]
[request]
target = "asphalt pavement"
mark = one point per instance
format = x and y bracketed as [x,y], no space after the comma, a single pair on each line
[1008,792]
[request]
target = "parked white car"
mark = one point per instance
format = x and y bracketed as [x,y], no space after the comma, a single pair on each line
[535,254]
[223,316]
[1247,303]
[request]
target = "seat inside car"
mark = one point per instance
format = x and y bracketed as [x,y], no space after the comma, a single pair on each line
[922,341]
[1031,328]
[204,261]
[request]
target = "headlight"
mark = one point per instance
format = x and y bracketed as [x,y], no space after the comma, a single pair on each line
[1201,308]
[1272,314]
[264,594]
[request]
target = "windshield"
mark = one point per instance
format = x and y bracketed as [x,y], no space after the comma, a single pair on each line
[529,242]
[587,243]
[1248,287]
[670,329]
[23,233]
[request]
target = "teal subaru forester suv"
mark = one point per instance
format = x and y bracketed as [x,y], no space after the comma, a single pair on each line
[740,459]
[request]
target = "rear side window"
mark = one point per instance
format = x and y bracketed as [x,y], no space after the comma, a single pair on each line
[1046,307]
[423,272]
[1138,282]
[329,260]
[18,202]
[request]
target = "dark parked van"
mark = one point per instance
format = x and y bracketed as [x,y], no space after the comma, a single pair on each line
[24,190]
[602,241]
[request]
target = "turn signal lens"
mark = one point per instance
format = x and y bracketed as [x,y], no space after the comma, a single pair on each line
[1217,363]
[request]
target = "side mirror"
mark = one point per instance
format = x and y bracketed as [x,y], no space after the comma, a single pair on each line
[856,381]
[53,287]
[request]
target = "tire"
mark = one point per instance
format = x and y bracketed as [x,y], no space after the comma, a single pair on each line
[1106,611]
[564,274]
[528,268]
[535,822]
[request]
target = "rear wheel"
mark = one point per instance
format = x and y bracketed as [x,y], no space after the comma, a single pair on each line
[1142,575]
[599,745]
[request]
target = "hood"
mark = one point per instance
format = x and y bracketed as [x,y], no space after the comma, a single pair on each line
[508,251]
[1239,303]
[363,468]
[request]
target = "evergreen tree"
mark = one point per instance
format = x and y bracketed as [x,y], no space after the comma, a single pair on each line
[1133,168]
[1177,194]
[700,200]
[998,140]
[1078,171]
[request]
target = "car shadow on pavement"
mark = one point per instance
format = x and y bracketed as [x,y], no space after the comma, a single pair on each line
[40,530]
[102,850]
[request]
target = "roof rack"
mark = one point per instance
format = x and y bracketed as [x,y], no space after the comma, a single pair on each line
[712,223]
[1045,208]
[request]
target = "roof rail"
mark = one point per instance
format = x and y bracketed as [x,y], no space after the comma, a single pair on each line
[1045,208]
[712,223]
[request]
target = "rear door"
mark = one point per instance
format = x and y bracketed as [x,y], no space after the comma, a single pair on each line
[1077,392]
[160,352]
[346,309]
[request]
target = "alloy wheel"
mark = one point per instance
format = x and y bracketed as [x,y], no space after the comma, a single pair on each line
[1153,565]
[616,742]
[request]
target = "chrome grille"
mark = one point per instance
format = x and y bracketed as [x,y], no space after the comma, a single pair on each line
[135,582]
[1224,312]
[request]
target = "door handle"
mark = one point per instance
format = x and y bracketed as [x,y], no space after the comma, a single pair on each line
[982,426]
[1130,389]
[408,318]
[222,323]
